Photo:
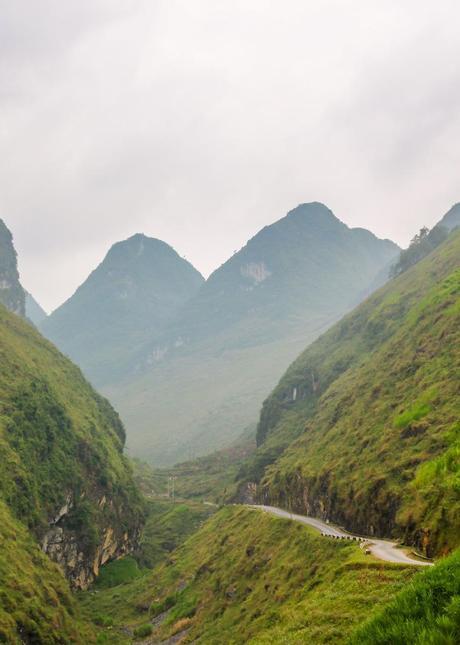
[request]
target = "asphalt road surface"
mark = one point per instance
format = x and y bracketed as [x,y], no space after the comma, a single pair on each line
[381,549]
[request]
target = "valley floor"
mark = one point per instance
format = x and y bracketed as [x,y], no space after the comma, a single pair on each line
[248,577]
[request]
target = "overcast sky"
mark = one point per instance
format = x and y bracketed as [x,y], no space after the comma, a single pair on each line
[200,121]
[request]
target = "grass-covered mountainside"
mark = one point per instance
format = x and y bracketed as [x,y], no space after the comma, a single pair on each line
[212,368]
[375,406]
[62,469]
[12,295]
[427,610]
[247,577]
[127,299]
[36,604]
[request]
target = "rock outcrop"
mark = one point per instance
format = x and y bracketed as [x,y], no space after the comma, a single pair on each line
[11,292]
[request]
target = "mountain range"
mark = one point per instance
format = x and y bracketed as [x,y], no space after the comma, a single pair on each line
[191,377]
[361,430]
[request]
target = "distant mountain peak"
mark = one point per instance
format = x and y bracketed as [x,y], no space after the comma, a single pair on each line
[311,207]
[133,293]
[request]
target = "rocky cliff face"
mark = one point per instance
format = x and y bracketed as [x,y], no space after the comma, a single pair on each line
[11,293]
[68,548]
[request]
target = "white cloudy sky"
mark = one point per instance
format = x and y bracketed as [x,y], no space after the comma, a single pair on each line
[200,121]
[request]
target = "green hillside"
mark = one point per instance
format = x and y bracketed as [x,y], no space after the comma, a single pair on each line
[426,611]
[215,364]
[247,577]
[36,604]
[127,299]
[66,491]
[375,406]
[62,471]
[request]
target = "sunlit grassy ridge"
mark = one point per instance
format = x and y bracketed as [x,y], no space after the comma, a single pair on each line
[426,611]
[247,577]
[375,403]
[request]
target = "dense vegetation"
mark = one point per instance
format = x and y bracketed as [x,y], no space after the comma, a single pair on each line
[426,611]
[36,604]
[375,406]
[247,577]
[126,300]
[62,467]
[229,344]
[168,525]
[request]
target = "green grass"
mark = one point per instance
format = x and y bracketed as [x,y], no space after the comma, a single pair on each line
[425,612]
[36,604]
[167,526]
[363,427]
[247,577]
[60,442]
[118,572]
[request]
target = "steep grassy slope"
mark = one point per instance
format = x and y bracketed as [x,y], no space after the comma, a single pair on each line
[426,611]
[212,368]
[375,404]
[167,526]
[129,297]
[62,471]
[36,605]
[246,577]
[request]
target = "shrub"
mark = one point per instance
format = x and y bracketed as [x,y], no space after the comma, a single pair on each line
[143,631]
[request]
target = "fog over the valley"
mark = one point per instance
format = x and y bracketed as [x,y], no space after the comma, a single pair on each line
[200,121]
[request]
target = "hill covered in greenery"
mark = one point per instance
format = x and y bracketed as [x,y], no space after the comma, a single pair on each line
[127,299]
[247,577]
[36,604]
[364,426]
[219,358]
[66,490]
[62,472]
[427,610]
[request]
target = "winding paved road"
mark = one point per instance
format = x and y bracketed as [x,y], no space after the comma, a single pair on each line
[381,549]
